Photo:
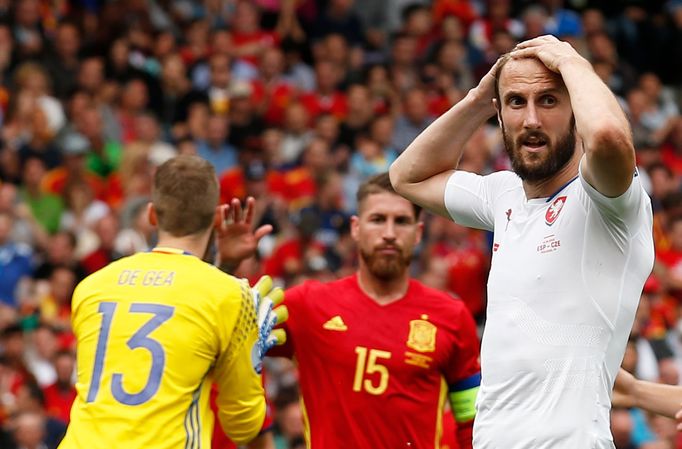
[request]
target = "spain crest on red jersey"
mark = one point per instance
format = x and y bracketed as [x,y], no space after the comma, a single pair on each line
[422,335]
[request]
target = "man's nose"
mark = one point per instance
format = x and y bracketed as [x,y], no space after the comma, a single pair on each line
[389,230]
[531,120]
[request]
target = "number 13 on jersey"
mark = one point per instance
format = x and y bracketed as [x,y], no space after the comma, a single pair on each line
[139,339]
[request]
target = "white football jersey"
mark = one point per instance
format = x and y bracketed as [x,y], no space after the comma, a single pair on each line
[565,280]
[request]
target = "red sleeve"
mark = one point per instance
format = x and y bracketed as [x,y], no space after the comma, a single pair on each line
[464,364]
[465,434]
[464,359]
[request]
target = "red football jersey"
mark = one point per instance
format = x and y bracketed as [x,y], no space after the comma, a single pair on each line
[375,376]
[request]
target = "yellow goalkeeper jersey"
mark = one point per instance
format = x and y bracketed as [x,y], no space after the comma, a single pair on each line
[154,330]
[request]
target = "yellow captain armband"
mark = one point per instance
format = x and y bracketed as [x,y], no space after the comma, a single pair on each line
[462,396]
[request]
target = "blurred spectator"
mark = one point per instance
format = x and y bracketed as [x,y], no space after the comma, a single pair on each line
[671,150]
[413,119]
[663,183]
[148,133]
[74,167]
[175,89]
[136,235]
[296,71]
[326,97]
[34,79]
[40,353]
[340,17]
[104,153]
[33,429]
[55,305]
[60,395]
[61,251]
[273,91]
[370,158]
[215,148]
[28,30]
[535,21]
[196,46]
[404,71]
[13,371]
[107,230]
[602,49]
[291,257]
[465,262]
[360,114]
[288,418]
[47,208]
[330,209]
[133,101]
[671,258]
[296,133]
[83,210]
[62,60]
[249,39]
[497,18]
[15,261]
[562,22]
[245,121]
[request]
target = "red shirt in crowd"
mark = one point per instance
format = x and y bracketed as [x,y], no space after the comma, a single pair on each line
[58,401]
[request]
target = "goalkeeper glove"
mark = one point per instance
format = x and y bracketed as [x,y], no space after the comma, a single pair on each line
[269,313]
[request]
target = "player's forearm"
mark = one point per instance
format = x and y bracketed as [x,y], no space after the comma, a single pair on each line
[242,427]
[465,434]
[603,128]
[658,398]
[439,147]
[597,112]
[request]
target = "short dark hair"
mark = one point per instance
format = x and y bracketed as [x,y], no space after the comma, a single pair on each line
[185,195]
[380,183]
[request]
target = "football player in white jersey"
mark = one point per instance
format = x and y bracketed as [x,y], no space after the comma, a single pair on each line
[572,242]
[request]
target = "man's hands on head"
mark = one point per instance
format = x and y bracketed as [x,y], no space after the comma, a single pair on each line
[552,52]
[270,312]
[484,92]
[235,239]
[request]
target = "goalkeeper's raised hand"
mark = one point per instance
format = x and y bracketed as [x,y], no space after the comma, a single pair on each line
[235,238]
[269,312]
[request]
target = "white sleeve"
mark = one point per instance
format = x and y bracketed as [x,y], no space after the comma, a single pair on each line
[469,198]
[625,209]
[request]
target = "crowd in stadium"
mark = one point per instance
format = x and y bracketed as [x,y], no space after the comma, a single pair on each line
[296,103]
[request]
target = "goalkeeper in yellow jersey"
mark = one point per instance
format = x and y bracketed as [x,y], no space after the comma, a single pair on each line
[155,329]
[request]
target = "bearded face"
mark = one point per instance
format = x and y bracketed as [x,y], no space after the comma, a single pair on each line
[386,232]
[386,262]
[546,162]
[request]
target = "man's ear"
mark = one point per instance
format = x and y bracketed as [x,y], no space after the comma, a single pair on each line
[496,105]
[151,215]
[354,227]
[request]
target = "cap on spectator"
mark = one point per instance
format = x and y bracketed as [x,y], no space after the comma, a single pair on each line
[652,285]
[74,144]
